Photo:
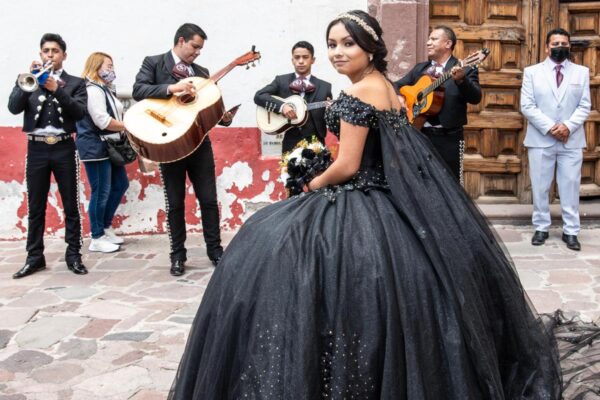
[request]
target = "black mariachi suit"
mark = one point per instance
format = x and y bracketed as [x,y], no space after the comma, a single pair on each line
[60,109]
[453,114]
[152,81]
[315,125]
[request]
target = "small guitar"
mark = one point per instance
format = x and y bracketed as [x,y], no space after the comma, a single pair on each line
[426,97]
[273,123]
[167,130]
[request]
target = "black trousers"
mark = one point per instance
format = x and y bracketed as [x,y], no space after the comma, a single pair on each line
[447,143]
[61,160]
[200,167]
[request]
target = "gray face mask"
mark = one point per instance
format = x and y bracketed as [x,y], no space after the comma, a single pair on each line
[559,54]
[107,76]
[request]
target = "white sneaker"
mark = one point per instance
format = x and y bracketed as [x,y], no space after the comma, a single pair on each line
[112,237]
[103,245]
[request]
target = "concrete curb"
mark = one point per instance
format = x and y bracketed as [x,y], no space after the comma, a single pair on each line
[520,214]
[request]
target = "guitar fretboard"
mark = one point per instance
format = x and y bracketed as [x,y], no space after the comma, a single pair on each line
[318,104]
[437,83]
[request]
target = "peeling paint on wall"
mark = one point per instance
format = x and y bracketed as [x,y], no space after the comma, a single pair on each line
[11,197]
[244,184]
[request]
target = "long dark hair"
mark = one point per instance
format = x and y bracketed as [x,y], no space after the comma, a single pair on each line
[363,38]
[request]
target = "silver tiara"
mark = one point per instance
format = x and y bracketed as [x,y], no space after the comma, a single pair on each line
[361,23]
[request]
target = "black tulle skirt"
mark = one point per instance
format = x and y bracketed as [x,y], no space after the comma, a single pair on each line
[364,291]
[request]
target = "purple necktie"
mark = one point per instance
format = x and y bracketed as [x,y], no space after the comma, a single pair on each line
[299,85]
[181,70]
[432,71]
[559,75]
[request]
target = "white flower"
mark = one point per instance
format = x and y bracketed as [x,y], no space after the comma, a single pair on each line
[296,153]
[42,98]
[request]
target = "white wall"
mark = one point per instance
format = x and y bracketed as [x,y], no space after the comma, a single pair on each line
[132,29]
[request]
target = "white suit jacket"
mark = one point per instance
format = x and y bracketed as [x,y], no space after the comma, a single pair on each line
[544,104]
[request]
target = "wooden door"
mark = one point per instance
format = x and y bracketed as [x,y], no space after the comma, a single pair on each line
[494,164]
[582,20]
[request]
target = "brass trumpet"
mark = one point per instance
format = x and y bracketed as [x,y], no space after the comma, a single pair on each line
[29,82]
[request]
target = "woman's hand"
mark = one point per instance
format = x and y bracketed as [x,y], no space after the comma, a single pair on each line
[402,101]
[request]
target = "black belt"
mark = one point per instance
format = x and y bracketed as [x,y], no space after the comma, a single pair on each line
[435,131]
[430,130]
[50,139]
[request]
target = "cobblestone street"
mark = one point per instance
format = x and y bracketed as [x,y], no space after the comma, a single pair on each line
[118,332]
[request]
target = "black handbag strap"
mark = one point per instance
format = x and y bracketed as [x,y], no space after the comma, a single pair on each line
[111,105]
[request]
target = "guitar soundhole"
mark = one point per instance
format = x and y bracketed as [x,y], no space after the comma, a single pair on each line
[164,134]
[420,97]
[186,99]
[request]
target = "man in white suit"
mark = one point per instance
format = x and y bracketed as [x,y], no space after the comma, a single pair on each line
[555,99]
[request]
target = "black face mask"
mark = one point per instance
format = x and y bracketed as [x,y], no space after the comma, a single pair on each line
[559,54]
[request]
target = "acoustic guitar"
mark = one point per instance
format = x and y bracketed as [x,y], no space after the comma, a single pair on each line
[426,97]
[167,130]
[273,123]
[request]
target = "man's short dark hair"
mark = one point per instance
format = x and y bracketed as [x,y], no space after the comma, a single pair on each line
[303,44]
[449,34]
[557,31]
[53,37]
[187,32]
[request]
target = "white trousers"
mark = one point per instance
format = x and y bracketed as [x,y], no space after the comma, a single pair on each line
[542,163]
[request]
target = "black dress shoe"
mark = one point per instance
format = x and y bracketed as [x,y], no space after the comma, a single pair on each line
[177,267]
[28,269]
[77,267]
[539,238]
[571,241]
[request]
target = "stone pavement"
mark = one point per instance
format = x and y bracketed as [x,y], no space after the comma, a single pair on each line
[119,332]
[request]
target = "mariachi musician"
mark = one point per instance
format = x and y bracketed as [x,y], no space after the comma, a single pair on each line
[161,77]
[445,130]
[50,108]
[303,83]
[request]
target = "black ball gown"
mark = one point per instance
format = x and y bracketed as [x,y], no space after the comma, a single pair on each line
[389,286]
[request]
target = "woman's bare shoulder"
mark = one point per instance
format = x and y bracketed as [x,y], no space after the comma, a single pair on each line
[371,91]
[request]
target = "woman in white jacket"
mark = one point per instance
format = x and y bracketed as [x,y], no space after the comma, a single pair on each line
[108,182]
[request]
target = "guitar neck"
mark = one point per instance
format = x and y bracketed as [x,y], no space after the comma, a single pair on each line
[318,104]
[438,82]
[215,77]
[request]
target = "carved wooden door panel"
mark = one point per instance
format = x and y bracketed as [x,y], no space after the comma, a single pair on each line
[581,19]
[494,165]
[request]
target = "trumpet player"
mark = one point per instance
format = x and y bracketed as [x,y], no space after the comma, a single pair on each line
[50,109]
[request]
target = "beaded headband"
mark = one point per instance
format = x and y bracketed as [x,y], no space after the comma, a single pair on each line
[361,23]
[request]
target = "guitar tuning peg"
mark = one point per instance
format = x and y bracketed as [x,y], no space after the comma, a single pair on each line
[253,64]
[247,66]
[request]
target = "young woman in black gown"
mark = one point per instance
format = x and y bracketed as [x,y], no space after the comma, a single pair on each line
[382,281]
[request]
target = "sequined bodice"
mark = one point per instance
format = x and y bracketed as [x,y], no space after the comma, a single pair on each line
[354,111]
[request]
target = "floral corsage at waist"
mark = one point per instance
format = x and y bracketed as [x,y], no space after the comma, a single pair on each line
[301,165]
